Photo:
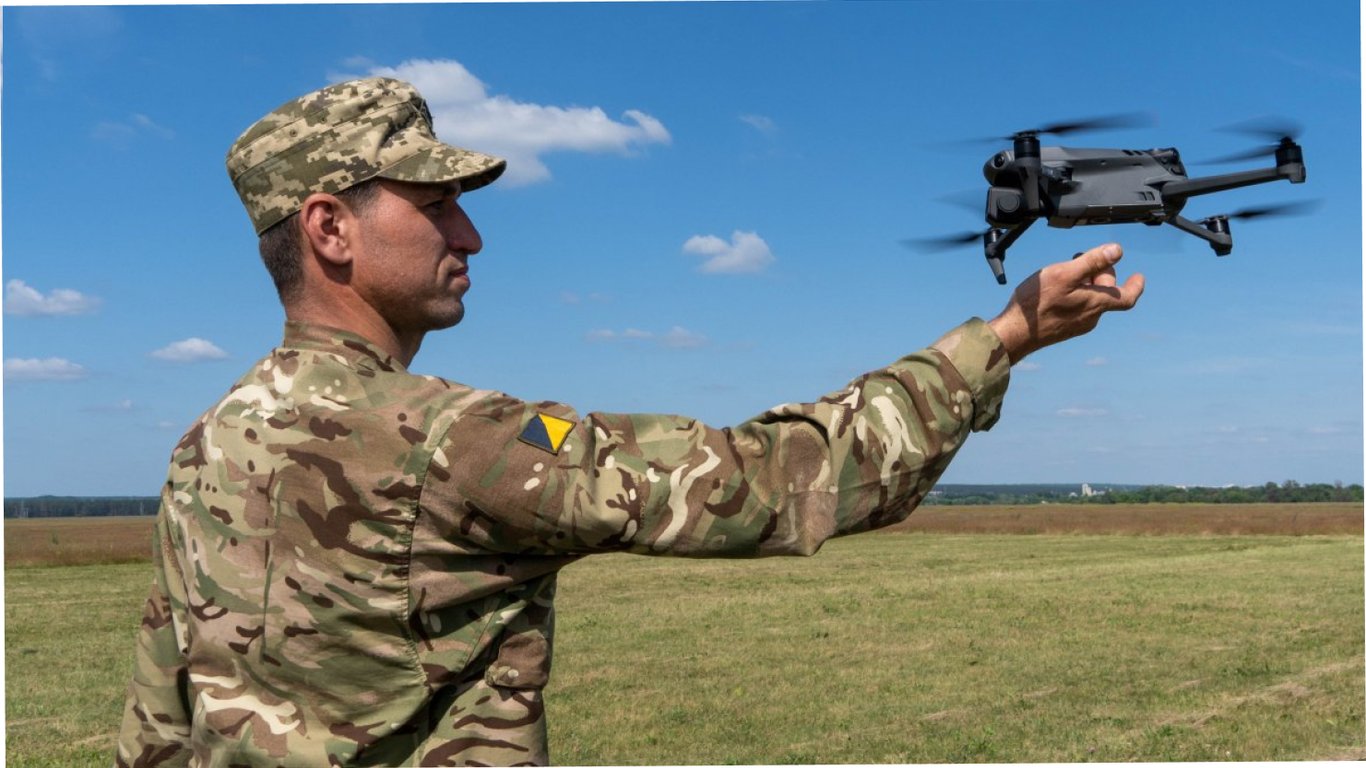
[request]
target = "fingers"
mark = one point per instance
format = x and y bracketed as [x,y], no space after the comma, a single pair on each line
[1096,262]
[1133,288]
[1095,269]
[1106,278]
[1108,298]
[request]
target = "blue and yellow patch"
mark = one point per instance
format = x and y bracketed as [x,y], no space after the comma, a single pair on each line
[546,432]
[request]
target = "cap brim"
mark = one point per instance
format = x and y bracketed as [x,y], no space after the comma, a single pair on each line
[443,163]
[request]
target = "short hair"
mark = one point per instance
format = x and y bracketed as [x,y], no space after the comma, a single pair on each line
[281,245]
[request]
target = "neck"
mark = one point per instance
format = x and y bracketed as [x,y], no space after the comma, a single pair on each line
[362,321]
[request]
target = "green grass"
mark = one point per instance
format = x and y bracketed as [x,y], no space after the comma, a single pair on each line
[914,648]
[68,656]
[883,648]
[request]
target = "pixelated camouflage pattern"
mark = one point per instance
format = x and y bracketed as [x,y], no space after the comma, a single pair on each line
[356,565]
[339,136]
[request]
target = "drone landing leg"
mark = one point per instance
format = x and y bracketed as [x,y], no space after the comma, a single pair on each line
[996,242]
[1220,241]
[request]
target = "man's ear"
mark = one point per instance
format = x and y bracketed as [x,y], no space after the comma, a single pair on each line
[329,226]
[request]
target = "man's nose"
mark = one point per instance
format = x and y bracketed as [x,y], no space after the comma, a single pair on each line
[461,234]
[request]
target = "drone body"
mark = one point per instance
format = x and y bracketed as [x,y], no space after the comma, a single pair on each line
[1069,187]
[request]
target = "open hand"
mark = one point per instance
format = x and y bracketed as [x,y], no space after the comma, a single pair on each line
[1064,300]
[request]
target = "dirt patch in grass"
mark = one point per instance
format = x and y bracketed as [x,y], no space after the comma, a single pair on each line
[1319,519]
[104,540]
[78,540]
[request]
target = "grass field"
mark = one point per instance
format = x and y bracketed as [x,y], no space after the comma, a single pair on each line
[901,647]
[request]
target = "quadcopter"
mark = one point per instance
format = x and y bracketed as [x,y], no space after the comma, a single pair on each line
[1068,187]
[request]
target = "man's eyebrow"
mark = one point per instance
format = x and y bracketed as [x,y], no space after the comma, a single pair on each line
[435,190]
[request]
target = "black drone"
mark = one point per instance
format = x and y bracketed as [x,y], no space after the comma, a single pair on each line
[1070,187]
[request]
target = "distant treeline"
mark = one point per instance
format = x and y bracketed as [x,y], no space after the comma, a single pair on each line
[1271,493]
[1288,492]
[81,506]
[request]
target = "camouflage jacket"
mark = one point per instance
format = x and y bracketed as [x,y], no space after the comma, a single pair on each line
[355,565]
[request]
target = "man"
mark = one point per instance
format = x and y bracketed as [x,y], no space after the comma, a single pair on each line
[356,565]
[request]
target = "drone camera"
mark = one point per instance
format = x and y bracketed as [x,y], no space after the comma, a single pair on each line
[1005,205]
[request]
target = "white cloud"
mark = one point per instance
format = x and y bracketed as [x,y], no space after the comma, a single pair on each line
[1027,365]
[1082,412]
[46,369]
[123,406]
[760,123]
[676,337]
[146,123]
[120,132]
[467,115]
[1097,362]
[191,350]
[1326,430]
[746,252]
[682,338]
[22,299]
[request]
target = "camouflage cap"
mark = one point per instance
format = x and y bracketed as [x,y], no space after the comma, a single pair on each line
[339,136]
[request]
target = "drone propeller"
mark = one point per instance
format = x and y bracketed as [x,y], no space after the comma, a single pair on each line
[967,199]
[1278,131]
[1269,128]
[946,242]
[1104,123]
[1283,209]
[1109,122]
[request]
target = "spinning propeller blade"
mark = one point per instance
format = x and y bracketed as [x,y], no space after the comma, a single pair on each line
[945,242]
[1283,209]
[1276,130]
[1106,123]
[1269,128]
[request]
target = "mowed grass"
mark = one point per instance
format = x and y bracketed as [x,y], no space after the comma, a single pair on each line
[68,657]
[900,647]
[947,649]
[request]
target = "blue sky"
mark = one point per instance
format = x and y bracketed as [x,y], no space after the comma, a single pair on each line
[703,215]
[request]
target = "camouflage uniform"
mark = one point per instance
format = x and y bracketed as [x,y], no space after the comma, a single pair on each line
[356,565]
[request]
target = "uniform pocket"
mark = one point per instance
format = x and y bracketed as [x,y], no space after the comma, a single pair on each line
[523,662]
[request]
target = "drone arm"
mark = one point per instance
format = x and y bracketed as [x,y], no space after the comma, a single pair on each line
[1221,242]
[997,241]
[1184,188]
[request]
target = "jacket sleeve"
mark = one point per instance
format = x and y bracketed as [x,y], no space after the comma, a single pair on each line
[156,713]
[781,483]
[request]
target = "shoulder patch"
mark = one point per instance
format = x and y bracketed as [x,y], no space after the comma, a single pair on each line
[546,432]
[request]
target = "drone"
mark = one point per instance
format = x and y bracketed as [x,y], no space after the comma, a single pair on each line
[1070,187]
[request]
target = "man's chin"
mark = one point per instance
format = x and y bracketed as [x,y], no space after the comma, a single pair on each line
[448,319]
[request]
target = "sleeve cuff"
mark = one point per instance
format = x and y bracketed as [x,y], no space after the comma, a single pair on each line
[977,353]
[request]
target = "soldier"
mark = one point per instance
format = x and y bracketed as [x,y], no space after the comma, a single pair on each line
[355,565]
